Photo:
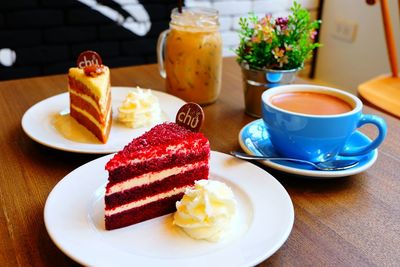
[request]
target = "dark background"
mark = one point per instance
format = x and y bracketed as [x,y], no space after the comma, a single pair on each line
[48,35]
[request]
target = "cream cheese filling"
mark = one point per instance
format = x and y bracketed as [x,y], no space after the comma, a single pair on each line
[152,177]
[144,201]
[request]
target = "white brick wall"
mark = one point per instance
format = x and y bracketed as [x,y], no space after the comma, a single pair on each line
[227,8]
[198,3]
[230,38]
[270,6]
[225,23]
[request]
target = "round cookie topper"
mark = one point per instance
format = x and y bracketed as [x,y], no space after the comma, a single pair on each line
[190,116]
[88,58]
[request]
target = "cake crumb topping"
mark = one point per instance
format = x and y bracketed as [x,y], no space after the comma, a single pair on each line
[162,135]
[93,70]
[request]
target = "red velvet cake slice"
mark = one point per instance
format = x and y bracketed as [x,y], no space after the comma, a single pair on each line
[152,172]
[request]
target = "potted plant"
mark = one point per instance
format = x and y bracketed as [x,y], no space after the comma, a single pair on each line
[272,50]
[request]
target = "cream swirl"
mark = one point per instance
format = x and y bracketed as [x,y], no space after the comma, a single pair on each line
[140,108]
[206,210]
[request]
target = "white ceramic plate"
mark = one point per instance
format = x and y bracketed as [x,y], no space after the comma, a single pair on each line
[37,122]
[74,215]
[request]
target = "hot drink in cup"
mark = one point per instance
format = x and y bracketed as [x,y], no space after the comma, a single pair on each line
[315,122]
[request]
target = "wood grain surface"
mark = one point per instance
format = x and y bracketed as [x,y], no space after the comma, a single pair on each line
[338,222]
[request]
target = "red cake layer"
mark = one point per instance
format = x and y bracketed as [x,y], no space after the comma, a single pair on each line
[157,164]
[157,139]
[167,184]
[143,213]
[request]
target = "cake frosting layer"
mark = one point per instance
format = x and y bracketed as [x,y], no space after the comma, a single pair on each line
[100,132]
[155,164]
[140,214]
[152,177]
[101,126]
[77,88]
[85,103]
[144,201]
[178,180]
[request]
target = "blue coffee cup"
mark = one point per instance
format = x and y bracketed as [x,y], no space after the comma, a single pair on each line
[317,138]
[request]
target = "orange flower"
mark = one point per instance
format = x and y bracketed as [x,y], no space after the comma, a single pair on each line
[288,47]
[283,60]
[278,52]
[280,56]
[256,39]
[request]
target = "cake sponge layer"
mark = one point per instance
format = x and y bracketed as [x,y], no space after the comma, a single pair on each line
[158,187]
[156,164]
[101,133]
[142,213]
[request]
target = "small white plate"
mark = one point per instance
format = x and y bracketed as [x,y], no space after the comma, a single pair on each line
[37,122]
[254,140]
[74,218]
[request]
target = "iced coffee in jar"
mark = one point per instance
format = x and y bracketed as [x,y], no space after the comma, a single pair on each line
[190,55]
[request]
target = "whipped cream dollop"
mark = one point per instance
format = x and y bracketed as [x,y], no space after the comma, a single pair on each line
[206,210]
[140,108]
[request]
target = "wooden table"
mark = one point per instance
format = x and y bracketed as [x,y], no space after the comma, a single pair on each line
[338,222]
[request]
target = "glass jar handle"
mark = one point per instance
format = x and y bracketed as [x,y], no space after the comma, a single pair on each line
[161,52]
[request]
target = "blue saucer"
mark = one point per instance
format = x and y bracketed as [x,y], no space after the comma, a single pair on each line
[254,139]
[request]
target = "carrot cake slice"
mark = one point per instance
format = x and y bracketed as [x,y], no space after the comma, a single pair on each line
[90,98]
